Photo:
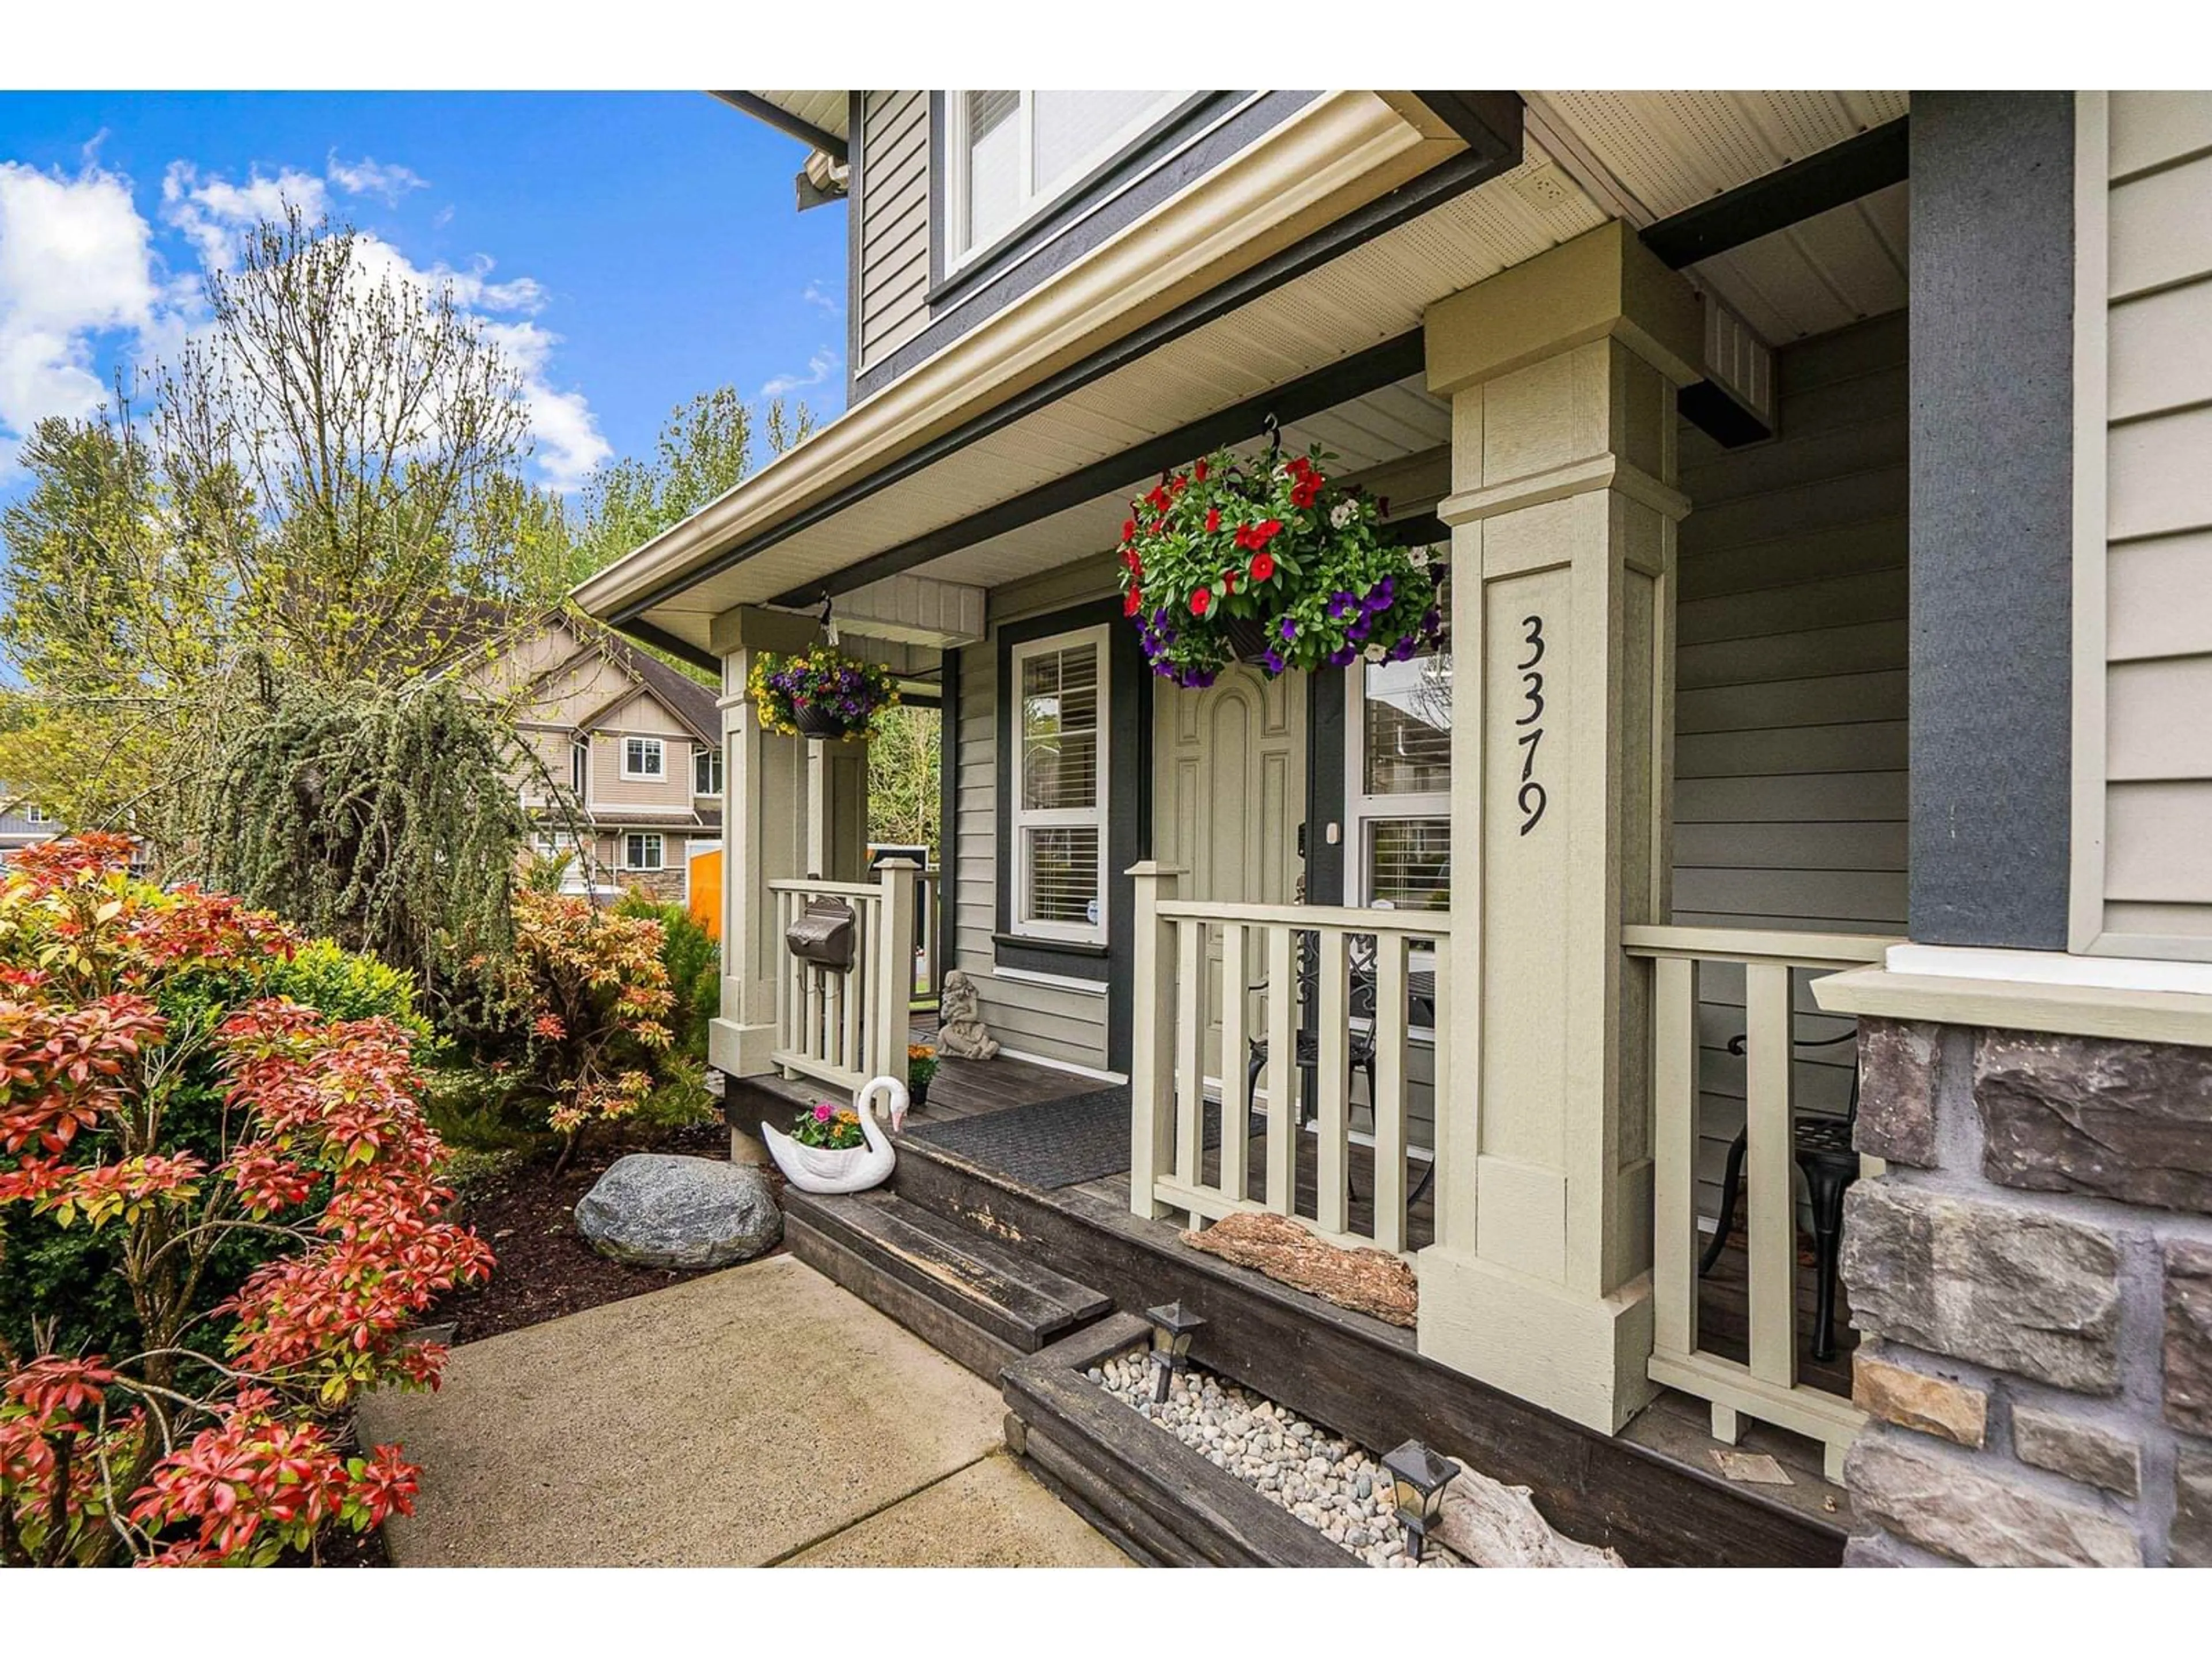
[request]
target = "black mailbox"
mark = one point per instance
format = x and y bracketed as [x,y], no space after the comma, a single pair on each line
[822,935]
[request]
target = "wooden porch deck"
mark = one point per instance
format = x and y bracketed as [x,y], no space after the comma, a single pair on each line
[1676,1426]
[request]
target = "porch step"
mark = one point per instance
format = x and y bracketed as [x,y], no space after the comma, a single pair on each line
[976,1299]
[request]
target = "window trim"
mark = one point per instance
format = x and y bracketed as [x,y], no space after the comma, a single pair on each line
[1020,819]
[660,773]
[1132,135]
[661,836]
[710,756]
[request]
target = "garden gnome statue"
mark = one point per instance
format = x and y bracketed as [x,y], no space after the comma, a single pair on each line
[960,1031]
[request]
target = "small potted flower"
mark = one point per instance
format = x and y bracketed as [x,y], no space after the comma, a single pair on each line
[1266,561]
[821,693]
[921,1066]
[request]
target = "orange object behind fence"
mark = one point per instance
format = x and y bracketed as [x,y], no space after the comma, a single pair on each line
[707,891]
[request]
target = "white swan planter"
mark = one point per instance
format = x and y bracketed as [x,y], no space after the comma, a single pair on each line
[850,1168]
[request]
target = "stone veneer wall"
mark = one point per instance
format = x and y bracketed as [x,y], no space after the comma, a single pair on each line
[662,886]
[2033,1275]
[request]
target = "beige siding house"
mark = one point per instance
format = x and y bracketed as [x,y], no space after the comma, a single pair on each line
[1833,1038]
[624,774]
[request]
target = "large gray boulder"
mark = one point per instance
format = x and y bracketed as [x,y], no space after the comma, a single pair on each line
[657,1209]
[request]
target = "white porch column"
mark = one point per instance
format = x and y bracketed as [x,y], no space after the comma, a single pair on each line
[1562,374]
[764,837]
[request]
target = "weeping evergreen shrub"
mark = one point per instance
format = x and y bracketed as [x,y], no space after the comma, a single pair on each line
[385,817]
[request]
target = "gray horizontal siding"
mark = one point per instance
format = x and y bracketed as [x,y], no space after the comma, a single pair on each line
[1790,728]
[890,275]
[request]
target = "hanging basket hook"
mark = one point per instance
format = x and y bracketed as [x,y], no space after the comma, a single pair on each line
[828,627]
[1274,428]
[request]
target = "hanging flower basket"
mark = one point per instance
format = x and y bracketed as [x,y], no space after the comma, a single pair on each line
[1262,560]
[821,694]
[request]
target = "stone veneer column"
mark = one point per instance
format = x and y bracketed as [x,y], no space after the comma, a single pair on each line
[764,835]
[2034,1277]
[1562,374]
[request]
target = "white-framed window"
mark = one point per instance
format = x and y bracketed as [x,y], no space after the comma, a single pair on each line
[706,771]
[1010,154]
[644,757]
[1398,798]
[580,769]
[1059,806]
[644,849]
[34,814]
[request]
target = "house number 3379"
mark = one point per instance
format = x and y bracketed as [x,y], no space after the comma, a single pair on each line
[1531,798]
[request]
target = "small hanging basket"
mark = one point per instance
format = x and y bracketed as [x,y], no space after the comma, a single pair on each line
[821,693]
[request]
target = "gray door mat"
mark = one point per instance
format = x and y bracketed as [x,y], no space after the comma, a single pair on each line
[1048,1143]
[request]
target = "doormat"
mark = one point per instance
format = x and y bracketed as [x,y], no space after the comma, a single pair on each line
[1047,1143]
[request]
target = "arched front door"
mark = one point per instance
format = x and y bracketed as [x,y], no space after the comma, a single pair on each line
[1229,793]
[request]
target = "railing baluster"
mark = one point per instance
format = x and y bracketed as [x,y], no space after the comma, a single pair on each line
[1332,1200]
[1391,1008]
[1236,1091]
[1190,1050]
[1282,1073]
[1675,1155]
[1772,1227]
[1151,1076]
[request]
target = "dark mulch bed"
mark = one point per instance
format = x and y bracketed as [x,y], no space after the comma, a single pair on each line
[546,1269]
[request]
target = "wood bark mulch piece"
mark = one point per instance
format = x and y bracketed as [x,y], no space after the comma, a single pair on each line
[546,1269]
[1371,1282]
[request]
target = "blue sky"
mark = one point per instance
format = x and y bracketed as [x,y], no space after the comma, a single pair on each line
[629,248]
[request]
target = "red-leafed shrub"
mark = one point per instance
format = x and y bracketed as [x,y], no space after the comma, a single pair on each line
[171,1454]
[596,993]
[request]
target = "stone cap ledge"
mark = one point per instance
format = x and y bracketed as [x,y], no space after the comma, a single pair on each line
[2020,1005]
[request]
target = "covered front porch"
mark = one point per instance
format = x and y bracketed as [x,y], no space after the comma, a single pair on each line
[1537,1019]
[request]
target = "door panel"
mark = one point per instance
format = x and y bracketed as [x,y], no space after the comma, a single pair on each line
[1229,795]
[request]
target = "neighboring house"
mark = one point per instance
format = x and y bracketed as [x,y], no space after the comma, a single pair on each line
[630,787]
[1853,482]
[23,823]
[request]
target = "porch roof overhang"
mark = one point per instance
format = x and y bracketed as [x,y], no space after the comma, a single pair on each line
[997,413]
[1292,281]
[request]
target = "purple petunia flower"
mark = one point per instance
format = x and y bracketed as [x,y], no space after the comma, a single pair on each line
[1379,596]
[1360,630]
[1434,621]
[1403,649]
[1341,655]
[1273,660]
[1288,631]
[1341,605]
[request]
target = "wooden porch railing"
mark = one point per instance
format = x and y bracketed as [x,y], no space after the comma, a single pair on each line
[1173,943]
[844,1029]
[1766,1388]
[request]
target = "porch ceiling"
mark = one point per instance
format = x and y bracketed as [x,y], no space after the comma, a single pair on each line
[1648,156]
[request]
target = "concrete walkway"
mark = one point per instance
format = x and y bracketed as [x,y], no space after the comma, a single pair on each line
[759,1417]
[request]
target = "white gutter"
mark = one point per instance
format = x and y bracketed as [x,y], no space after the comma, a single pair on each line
[1342,144]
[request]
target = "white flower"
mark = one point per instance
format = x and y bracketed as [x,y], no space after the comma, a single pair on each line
[1420,557]
[1375,654]
[1339,515]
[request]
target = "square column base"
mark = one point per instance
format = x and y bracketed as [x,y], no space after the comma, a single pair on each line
[1584,1357]
[740,1050]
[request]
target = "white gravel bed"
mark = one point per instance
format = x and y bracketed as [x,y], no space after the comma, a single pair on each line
[1329,1484]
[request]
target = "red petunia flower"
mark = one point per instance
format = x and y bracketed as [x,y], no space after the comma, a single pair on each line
[1199,472]
[1129,530]
[1229,581]
[1213,519]
[1132,603]
[1158,524]
[1158,496]
[1304,491]
[1263,566]
[1201,600]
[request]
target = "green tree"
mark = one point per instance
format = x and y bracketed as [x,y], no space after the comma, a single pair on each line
[903,778]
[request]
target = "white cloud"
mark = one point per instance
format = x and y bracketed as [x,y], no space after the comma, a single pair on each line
[370,177]
[819,368]
[818,295]
[77,261]
[215,214]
